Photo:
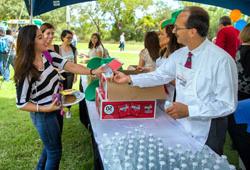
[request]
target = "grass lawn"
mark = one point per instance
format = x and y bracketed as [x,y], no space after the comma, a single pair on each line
[20,145]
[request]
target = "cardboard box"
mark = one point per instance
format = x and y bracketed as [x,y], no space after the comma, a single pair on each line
[124,109]
[124,92]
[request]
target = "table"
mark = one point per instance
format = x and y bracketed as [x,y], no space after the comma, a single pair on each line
[162,126]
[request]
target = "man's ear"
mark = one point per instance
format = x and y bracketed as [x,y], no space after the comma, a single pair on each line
[192,32]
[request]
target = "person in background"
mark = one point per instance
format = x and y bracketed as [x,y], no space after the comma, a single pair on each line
[227,37]
[4,51]
[48,31]
[206,80]
[150,53]
[95,46]
[36,81]
[68,52]
[238,132]
[168,44]
[11,44]
[122,42]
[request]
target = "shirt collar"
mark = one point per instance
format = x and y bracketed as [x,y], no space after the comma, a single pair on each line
[200,48]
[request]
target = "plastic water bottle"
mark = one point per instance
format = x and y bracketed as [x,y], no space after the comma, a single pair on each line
[170,155]
[106,140]
[139,167]
[216,167]
[167,104]
[161,157]
[206,168]
[136,132]
[184,167]
[131,147]
[152,159]
[195,166]
[129,133]
[142,154]
[171,163]
[203,163]
[142,161]
[116,165]
[128,166]
[130,153]
[142,148]
[162,165]
[106,164]
[151,152]
[151,166]
[182,159]
[232,167]
[121,152]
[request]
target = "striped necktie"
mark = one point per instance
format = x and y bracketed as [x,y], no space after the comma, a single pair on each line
[188,63]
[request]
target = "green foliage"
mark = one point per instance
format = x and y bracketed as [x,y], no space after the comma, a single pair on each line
[11,9]
[123,15]
[143,25]
[215,13]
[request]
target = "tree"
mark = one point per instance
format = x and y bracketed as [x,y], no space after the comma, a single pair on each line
[122,15]
[10,9]
[145,24]
[57,18]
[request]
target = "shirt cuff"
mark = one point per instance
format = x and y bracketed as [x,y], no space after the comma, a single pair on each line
[193,111]
[134,80]
[19,106]
[63,64]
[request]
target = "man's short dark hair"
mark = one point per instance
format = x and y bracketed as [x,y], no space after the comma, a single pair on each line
[225,20]
[198,19]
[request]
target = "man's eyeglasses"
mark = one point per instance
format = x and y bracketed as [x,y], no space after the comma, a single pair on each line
[176,28]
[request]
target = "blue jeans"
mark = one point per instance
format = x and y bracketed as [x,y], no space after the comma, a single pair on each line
[5,66]
[49,129]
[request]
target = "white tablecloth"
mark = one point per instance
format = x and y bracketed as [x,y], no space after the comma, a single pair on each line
[163,126]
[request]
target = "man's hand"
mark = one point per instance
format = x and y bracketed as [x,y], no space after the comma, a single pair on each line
[177,110]
[121,78]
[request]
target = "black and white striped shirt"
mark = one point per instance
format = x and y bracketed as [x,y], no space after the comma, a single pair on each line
[41,91]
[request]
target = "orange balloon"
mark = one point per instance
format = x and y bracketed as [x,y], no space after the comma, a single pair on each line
[235,15]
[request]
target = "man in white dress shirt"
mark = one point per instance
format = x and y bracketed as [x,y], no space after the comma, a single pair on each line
[206,80]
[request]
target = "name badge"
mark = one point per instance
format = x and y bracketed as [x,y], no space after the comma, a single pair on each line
[182,80]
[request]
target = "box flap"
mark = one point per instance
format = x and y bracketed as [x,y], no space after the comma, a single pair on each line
[127,92]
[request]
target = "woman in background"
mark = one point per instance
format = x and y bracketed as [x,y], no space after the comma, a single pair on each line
[168,44]
[150,53]
[68,52]
[48,31]
[95,46]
